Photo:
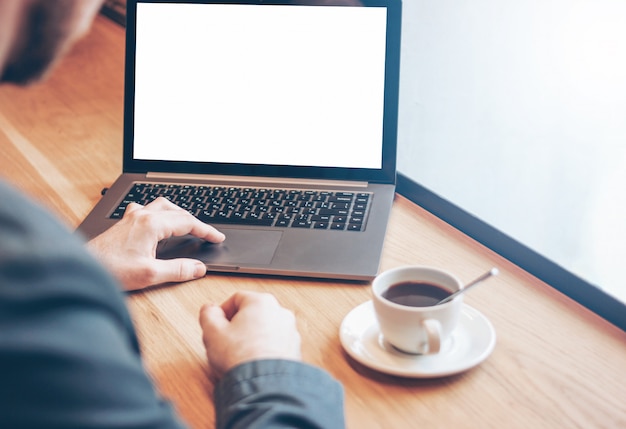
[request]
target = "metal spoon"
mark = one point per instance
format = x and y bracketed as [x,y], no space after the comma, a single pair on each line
[492,272]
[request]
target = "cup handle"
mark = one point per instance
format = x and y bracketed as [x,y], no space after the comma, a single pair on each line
[432,343]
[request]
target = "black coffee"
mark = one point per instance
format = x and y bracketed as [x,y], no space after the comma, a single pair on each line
[414,294]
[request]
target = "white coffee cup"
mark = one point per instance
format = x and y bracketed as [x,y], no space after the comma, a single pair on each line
[416,329]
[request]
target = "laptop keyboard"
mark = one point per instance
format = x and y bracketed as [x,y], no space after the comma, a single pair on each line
[342,211]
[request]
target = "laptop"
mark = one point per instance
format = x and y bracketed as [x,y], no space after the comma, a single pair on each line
[237,102]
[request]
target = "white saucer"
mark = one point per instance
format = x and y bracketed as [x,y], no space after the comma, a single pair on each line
[471,343]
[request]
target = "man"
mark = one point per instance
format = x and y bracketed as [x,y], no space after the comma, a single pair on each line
[69,356]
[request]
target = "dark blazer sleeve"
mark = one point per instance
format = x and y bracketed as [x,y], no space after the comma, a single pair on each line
[69,357]
[278,394]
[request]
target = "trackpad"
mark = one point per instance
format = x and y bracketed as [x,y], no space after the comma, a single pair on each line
[242,246]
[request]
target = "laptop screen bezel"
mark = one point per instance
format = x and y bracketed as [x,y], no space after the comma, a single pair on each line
[387,172]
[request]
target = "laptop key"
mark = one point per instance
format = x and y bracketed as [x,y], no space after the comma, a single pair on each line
[235,220]
[334,212]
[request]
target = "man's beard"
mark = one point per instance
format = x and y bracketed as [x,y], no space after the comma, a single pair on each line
[43,36]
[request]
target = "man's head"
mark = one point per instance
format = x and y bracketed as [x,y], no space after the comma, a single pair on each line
[35,33]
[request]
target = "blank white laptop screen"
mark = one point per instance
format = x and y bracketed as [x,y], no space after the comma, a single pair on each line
[260,84]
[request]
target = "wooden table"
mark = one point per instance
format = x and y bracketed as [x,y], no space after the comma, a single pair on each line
[555,364]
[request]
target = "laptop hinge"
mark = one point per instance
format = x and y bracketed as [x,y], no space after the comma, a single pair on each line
[256,180]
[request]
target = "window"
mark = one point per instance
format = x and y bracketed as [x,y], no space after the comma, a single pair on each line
[513,128]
